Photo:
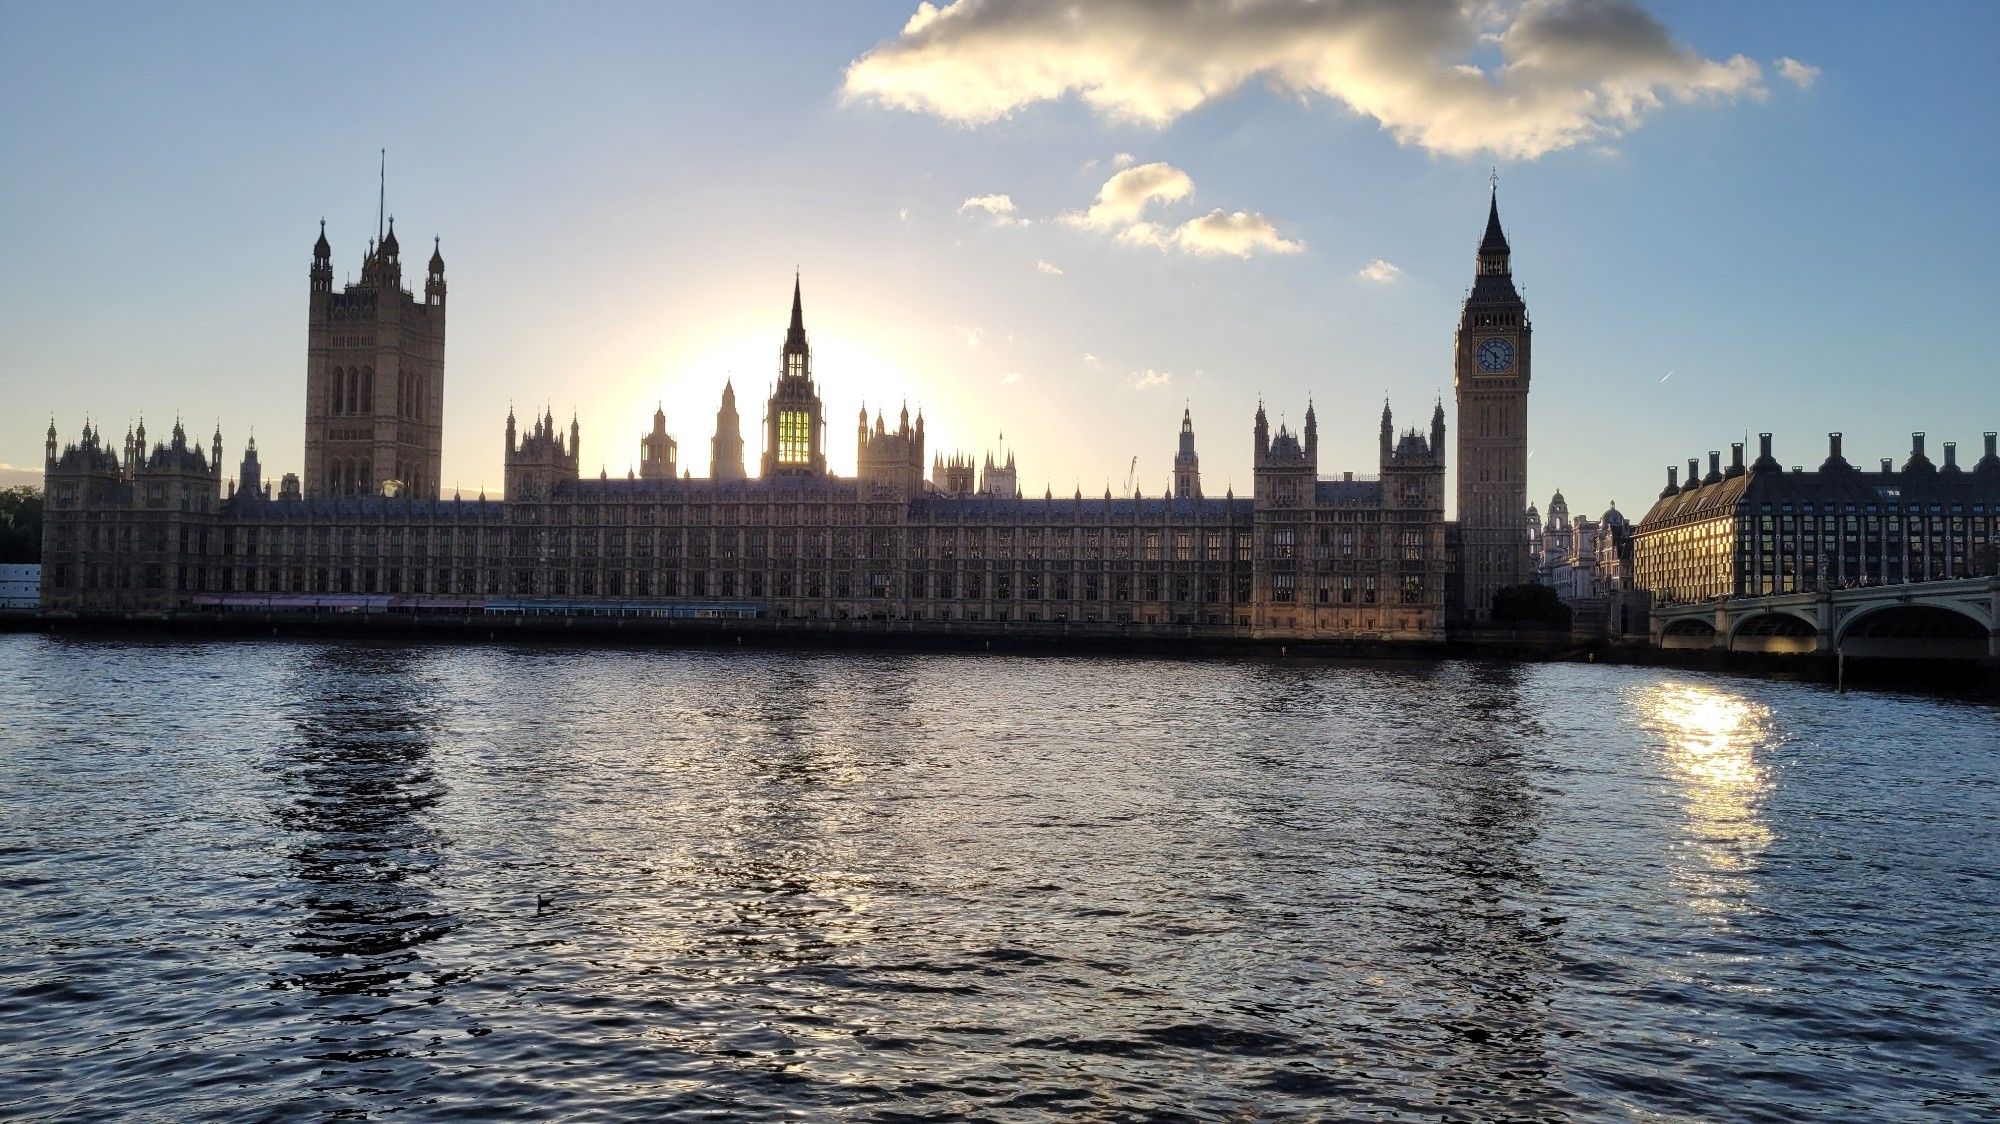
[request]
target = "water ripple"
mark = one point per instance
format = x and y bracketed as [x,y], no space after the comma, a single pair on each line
[274,881]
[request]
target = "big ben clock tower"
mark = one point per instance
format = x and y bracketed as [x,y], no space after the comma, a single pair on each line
[1490,377]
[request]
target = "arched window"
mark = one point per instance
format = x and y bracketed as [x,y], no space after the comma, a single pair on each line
[353,391]
[364,485]
[339,387]
[368,390]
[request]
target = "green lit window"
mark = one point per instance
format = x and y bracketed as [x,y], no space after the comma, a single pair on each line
[794,439]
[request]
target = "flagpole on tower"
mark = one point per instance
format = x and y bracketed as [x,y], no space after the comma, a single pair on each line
[381,195]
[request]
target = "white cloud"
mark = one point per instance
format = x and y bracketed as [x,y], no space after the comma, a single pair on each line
[1145,234]
[1126,195]
[1148,379]
[1010,378]
[1122,160]
[1379,271]
[903,214]
[1042,265]
[1240,233]
[1797,73]
[973,336]
[1090,360]
[1569,72]
[998,207]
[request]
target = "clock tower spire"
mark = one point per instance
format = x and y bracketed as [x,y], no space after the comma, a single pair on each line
[1490,380]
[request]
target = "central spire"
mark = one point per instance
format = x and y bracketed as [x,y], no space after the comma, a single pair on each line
[795,336]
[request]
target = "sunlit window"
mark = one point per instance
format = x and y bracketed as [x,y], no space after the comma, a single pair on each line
[794,441]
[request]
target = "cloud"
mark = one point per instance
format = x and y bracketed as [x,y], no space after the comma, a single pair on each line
[973,336]
[1043,265]
[999,208]
[1148,379]
[1010,378]
[1568,72]
[1090,360]
[1240,233]
[1797,73]
[1380,271]
[903,214]
[1125,196]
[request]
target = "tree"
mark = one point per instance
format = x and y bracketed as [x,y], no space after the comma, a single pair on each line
[21,524]
[1533,605]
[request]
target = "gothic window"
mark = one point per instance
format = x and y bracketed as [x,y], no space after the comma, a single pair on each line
[339,387]
[368,390]
[353,393]
[794,440]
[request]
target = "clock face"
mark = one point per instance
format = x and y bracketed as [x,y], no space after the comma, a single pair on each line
[1495,355]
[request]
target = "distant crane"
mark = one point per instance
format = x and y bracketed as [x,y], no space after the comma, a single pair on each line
[1132,476]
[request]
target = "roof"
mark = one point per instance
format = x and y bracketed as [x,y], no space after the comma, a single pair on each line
[1495,241]
[253,507]
[1348,491]
[1885,490]
[936,508]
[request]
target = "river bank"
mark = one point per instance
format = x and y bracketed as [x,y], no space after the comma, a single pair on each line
[1949,677]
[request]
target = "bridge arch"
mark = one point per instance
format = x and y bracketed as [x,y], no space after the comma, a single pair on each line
[1774,630]
[1916,631]
[1688,632]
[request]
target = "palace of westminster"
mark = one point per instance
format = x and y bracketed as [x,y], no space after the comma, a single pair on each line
[154,529]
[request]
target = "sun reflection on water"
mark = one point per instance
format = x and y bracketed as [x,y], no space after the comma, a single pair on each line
[1712,739]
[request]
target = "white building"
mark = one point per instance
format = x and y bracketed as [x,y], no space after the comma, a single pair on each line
[20,588]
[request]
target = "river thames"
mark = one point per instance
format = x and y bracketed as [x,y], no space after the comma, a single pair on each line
[276,881]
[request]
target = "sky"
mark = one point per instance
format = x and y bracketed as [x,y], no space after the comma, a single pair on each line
[1061,224]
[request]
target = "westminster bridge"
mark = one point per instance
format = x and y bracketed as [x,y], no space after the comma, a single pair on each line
[1956,619]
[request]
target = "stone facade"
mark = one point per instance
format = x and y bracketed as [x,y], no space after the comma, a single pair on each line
[1588,562]
[1305,557]
[374,377]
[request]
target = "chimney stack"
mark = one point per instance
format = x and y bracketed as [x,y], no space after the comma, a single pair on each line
[1673,481]
[1990,450]
[1694,473]
[1736,458]
[1888,465]
[1763,445]
[1833,446]
[1714,467]
[1916,445]
[1951,456]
